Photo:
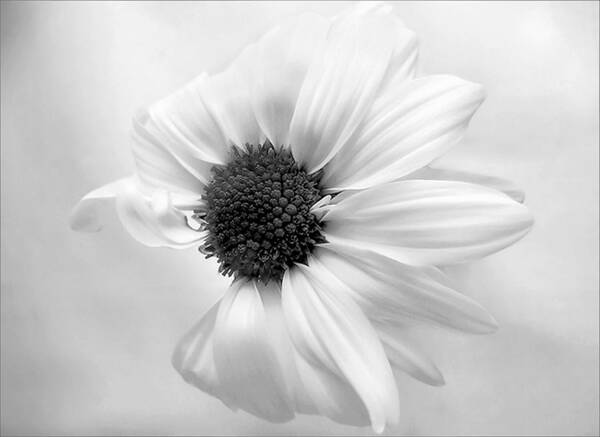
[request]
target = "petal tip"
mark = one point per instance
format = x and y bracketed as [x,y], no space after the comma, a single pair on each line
[438,380]
[525,222]
[82,219]
[378,428]
[489,326]
[518,195]
[530,220]
[177,360]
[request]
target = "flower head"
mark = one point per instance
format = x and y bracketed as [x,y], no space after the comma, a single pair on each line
[258,213]
[304,169]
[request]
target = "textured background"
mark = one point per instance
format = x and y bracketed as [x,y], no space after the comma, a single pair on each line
[89,321]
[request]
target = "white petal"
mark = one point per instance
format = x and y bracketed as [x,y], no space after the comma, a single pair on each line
[330,331]
[405,129]
[89,213]
[428,222]
[407,358]
[341,84]
[245,357]
[314,389]
[311,389]
[285,352]
[392,292]
[327,394]
[283,57]
[193,356]
[450,174]
[403,64]
[185,126]
[158,167]
[228,100]
[233,353]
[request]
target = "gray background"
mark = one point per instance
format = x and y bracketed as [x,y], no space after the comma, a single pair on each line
[89,321]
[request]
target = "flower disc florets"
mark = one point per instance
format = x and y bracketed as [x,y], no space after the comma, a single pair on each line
[258,215]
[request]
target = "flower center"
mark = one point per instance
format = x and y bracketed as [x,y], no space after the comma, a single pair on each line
[258,216]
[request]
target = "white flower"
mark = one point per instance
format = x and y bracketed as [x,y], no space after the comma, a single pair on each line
[334,233]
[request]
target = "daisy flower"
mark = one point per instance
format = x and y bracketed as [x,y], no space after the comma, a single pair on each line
[304,170]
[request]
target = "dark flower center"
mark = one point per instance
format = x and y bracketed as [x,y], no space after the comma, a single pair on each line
[258,217]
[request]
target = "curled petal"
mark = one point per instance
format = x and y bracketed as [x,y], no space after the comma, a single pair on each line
[407,358]
[423,222]
[152,219]
[89,213]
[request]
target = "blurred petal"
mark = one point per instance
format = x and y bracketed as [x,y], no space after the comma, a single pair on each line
[331,332]
[193,356]
[159,167]
[407,358]
[328,394]
[341,83]
[185,126]
[448,174]
[405,129]
[392,292]
[89,213]
[403,64]
[283,57]
[228,100]
[428,222]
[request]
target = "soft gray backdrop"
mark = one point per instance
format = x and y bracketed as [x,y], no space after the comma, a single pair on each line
[89,321]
